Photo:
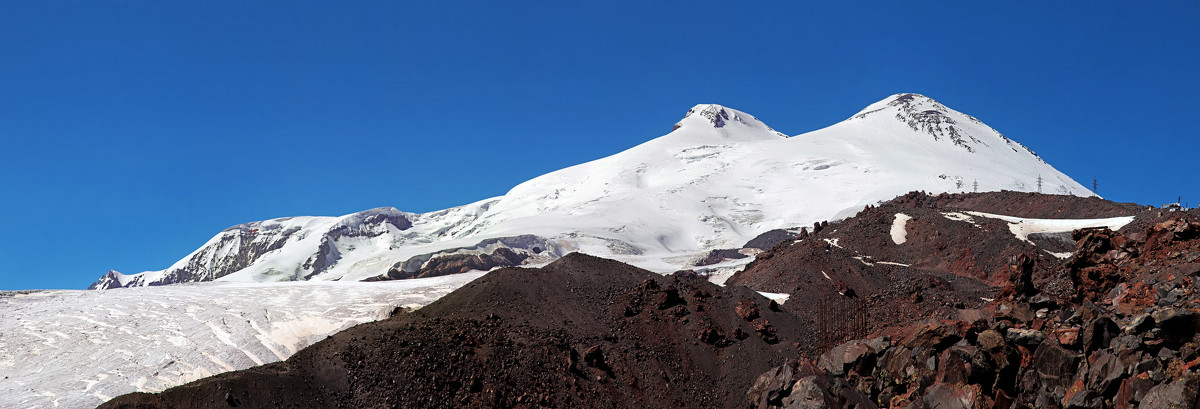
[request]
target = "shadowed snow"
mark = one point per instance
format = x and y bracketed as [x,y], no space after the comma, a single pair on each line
[77,349]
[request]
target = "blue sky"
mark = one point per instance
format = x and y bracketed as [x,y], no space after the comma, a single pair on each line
[134,130]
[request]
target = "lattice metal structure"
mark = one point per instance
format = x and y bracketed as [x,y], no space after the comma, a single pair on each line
[839,319]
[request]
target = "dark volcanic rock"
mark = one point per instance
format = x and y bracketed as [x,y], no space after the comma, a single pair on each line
[719,255]
[1055,365]
[1181,393]
[580,332]
[769,239]
[1123,336]
[932,273]
[461,263]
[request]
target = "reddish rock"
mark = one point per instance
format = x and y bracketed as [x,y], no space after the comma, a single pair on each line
[951,396]
[1055,366]
[1105,372]
[1132,391]
[1098,333]
[1134,298]
[855,356]
[933,334]
[1067,336]
[746,309]
[1180,393]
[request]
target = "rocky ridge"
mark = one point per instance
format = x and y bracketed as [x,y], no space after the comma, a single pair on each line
[1123,336]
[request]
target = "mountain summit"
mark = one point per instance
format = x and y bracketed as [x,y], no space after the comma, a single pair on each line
[926,116]
[719,117]
[720,178]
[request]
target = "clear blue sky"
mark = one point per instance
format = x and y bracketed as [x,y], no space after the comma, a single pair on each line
[135,131]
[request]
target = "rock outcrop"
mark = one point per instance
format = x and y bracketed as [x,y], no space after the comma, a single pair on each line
[1126,337]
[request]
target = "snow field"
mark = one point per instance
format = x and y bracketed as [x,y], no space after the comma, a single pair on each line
[77,349]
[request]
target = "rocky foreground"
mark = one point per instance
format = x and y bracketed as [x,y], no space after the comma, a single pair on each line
[1123,337]
[582,332]
[949,306]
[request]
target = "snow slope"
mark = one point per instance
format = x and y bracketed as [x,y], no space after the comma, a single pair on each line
[717,180]
[77,349]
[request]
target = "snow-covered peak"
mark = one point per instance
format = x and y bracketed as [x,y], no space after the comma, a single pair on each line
[928,117]
[732,121]
[907,100]
[717,180]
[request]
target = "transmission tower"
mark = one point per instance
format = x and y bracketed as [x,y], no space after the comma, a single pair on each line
[1095,186]
[976,188]
[1039,183]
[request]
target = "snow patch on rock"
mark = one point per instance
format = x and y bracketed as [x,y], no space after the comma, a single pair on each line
[1023,227]
[899,233]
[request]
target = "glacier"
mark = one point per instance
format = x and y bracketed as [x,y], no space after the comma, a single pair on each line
[77,349]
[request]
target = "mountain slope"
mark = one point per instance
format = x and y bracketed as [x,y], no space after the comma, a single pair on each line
[720,178]
[618,337]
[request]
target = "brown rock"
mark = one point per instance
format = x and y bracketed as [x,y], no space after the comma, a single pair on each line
[1067,336]
[1098,333]
[1177,326]
[853,356]
[1132,391]
[1180,393]
[934,334]
[1054,365]
[766,331]
[1105,372]
[991,340]
[950,396]
[1025,337]
[1079,397]
[747,309]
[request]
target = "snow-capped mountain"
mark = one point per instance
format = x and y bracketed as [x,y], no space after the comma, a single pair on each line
[717,180]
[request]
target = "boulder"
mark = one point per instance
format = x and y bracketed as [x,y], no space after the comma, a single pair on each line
[1097,333]
[801,384]
[747,310]
[1133,390]
[807,394]
[1025,337]
[1181,393]
[772,386]
[952,396]
[856,356]
[1176,326]
[1105,372]
[898,366]
[933,334]
[1055,366]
